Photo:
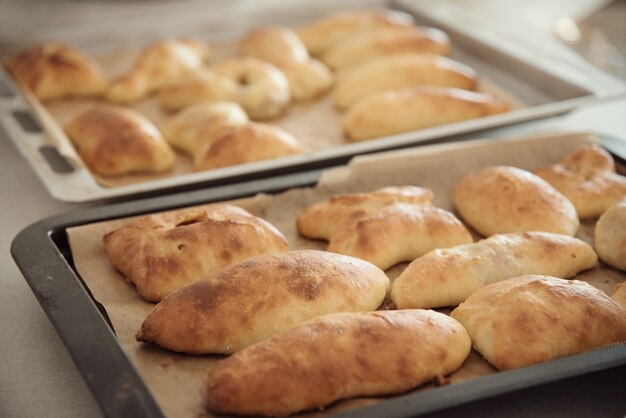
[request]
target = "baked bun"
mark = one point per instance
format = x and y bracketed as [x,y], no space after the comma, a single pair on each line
[395,111]
[54,70]
[334,357]
[158,66]
[610,236]
[116,141]
[402,71]
[308,78]
[500,199]
[242,304]
[619,294]
[530,319]
[259,87]
[384,42]
[326,32]
[446,277]
[587,177]
[385,227]
[161,253]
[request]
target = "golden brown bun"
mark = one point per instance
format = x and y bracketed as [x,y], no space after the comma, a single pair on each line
[161,253]
[446,277]
[619,294]
[259,87]
[308,78]
[587,177]
[334,357]
[53,70]
[326,32]
[402,71]
[500,199]
[395,111]
[530,319]
[114,141]
[384,227]
[257,298]
[610,235]
[159,65]
[384,42]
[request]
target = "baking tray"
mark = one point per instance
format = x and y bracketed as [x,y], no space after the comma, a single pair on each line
[42,253]
[546,85]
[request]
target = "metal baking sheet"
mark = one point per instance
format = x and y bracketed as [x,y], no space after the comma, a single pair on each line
[546,88]
[42,253]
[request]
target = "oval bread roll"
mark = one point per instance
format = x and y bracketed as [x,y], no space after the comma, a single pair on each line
[384,42]
[161,253]
[334,357]
[610,236]
[446,277]
[530,319]
[619,294]
[501,199]
[257,298]
[395,111]
[411,70]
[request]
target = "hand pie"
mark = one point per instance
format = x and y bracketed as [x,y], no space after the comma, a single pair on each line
[384,227]
[54,70]
[160,253]
[446,277]
[158,66]
[610,236]
[308,78]
[326,32]
[530,319]
[391,73]
[335,357]
[587,177]
[619,294]
[366,46]
[395,111]
[115,141]
[500,199]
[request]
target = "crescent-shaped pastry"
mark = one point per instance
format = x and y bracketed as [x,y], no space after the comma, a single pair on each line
[335,357]
[384,42]
[395,111]
[242,304]
[385,227]
[308,78]
[446,277]
[402,71]
[114,141]
[587,177]
[619,294]
[158,66]
[161,253]
[610,236]
[531,319]
[501,199]
[322,34]
[54,70]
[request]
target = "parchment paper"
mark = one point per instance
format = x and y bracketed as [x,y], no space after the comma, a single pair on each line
[176,379]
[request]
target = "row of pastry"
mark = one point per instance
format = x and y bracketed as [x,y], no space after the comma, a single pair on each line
[297,323]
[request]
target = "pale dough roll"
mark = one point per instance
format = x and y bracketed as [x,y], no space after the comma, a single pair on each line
[242,304]
[619,294]
[395,111]
[501,199]
[610,236]
[531,319]
[335,357]
[402,71]
[384,42]
[446,277]
[54,70]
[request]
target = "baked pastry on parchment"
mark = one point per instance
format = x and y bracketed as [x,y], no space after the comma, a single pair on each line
[334,357]
[252,300]
[161,253]
[610,236]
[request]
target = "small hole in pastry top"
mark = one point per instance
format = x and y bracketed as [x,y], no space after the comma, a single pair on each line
[192,219]
[181,247]
[243,80]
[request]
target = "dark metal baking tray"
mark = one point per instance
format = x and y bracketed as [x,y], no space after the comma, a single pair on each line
[42,253]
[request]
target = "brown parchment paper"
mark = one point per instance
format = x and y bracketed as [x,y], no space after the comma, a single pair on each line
[176,379]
